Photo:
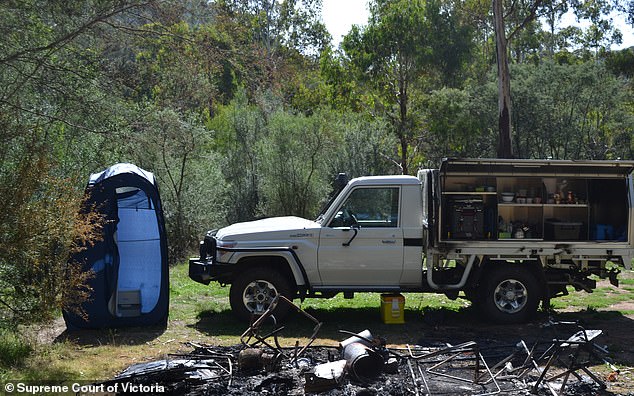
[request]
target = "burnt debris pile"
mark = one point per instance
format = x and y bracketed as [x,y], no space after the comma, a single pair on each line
[362,364]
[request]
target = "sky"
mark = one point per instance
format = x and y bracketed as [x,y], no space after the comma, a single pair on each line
[340,15]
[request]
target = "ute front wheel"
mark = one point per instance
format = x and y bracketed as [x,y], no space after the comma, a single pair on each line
[510,294]
[254,290]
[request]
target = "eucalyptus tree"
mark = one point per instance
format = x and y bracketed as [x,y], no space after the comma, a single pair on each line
[277,37]
[406,45]
[277,24]
[511,18]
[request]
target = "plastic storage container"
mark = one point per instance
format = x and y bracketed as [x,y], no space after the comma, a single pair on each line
[603,232]
[562,231]
[392,308]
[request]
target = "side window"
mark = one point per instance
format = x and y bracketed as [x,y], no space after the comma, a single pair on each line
[369,207]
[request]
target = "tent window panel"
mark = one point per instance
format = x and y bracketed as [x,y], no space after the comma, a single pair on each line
[137,225]
[133,198]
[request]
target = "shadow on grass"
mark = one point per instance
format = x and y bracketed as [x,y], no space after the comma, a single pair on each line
[433,326]
[115,336]
[296,326]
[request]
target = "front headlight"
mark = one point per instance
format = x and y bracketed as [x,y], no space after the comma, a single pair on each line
[226,244]
[221,245]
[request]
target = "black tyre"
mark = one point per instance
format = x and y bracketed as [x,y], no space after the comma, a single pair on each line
[509,294]
[253,291]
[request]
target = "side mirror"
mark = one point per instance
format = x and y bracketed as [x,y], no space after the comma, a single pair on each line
[337,221]
[355,228]
[344,218]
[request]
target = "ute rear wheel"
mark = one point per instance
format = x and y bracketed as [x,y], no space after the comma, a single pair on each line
[253,291]
[509,294]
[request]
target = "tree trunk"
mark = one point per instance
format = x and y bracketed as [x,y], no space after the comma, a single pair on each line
[404,167]
[505,147]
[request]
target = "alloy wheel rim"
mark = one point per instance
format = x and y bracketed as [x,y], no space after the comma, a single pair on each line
[258,296]
[510,296]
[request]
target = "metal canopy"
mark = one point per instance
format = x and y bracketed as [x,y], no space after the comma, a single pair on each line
[532,167]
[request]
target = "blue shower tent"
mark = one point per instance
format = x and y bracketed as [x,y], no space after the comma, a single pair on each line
[130,282]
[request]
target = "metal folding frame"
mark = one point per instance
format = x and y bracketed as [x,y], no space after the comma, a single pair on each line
[572,348]
[469,349]
[253,331]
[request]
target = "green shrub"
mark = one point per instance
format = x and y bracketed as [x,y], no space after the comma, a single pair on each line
[13,349]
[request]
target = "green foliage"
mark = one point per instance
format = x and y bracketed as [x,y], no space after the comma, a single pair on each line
[237,127]
[621,62]
[563,111]
[281,24]
[295,154]
[571,111]
[278,162]
[406,46]
[367,146]
[460,122]
[40,229]
[185,68]
[14,349]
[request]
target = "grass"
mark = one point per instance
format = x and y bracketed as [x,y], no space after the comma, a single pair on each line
[604,296]
[14,350]
[201,314]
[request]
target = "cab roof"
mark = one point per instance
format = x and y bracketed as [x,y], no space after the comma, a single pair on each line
[383,180]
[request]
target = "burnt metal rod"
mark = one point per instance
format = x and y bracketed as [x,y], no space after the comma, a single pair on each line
[224,369]
[476,372]
[542,373]
[570,369]
[433,361]
[435,366]
[503,364]
[255,325]
[419,348]
[313,337]
[264,337]
[208,348]
[526,366]
[411,370]
[479,358]
[298,309]
[157,375]
[199,356]
[491,374]
[369,341]
[230,372]
[422,375]
[295,353]
[466,346]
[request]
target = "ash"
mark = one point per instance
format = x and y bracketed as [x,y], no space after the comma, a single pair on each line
[363,365]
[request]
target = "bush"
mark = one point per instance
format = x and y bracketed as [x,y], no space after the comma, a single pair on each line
[41,228]
[13,349]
